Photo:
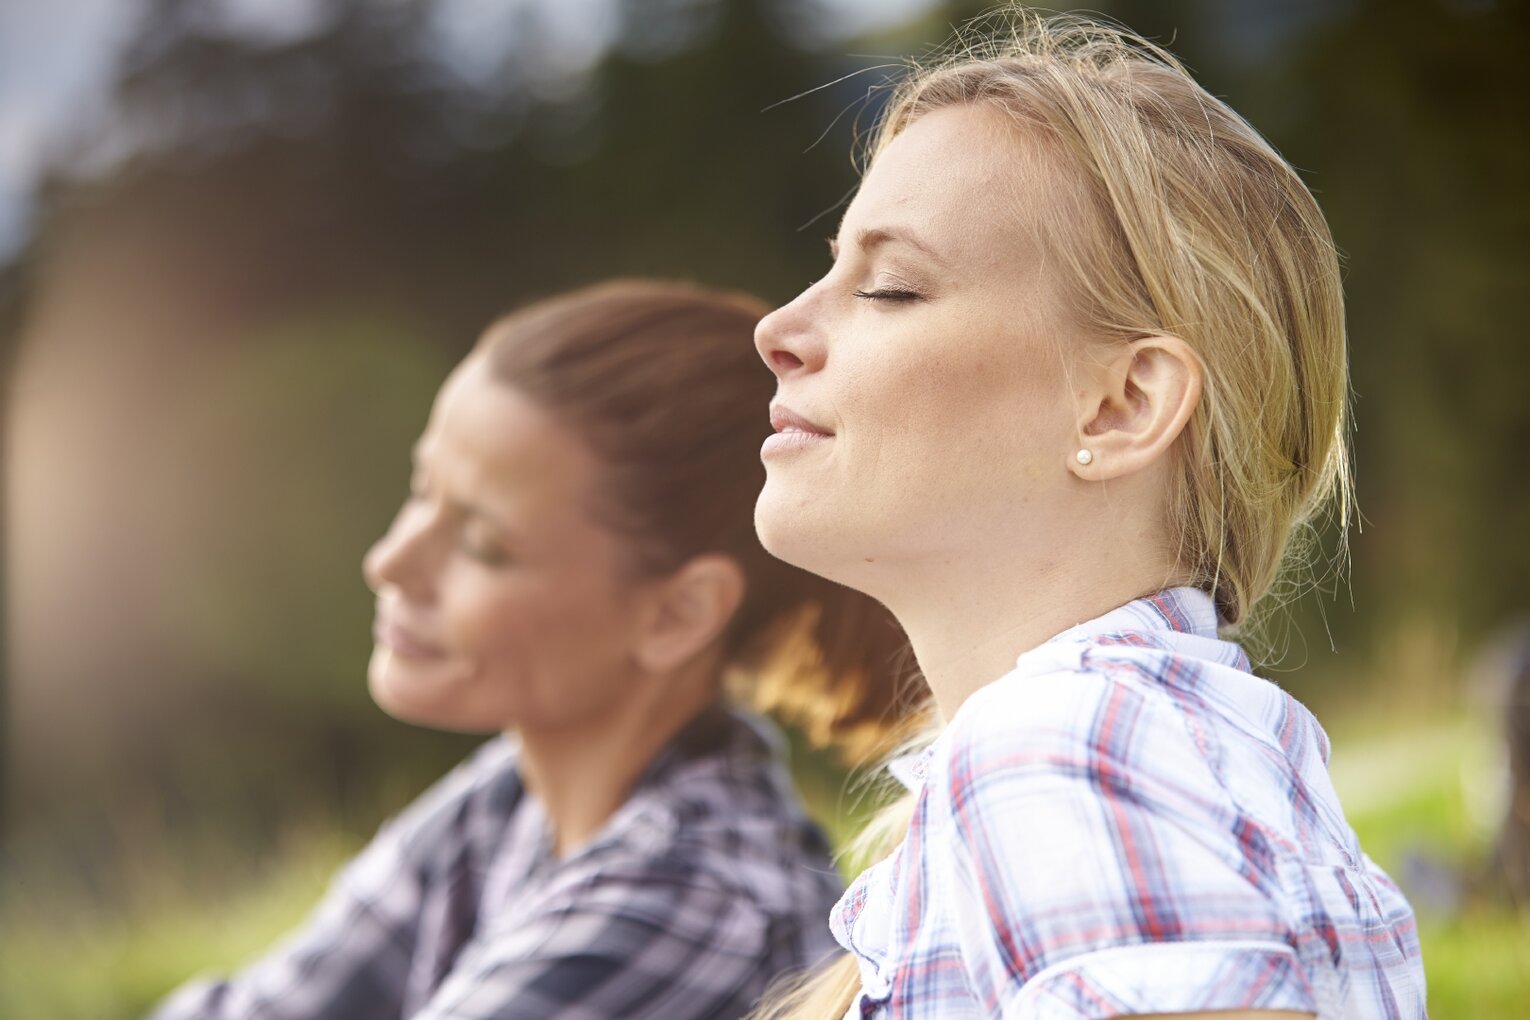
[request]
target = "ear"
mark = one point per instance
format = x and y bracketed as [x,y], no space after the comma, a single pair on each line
[690,609]
[1136,405]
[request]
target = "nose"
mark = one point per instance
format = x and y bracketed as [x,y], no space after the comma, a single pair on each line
[787,339]
[401,560]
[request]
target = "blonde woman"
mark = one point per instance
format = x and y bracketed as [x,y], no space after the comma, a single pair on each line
[1075,378]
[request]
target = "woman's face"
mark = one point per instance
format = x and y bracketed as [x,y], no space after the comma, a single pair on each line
[500,603]
[927,367]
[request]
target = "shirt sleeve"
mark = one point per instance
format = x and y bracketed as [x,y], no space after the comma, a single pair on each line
[636,939]
[1097,868]
[352,957]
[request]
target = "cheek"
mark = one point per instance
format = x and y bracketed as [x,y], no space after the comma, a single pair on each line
[536,638]
[488,629]
[979,415]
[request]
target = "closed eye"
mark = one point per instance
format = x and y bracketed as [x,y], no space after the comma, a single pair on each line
[483,550]
[888,294]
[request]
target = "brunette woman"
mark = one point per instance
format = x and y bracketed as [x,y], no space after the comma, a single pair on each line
[576,569]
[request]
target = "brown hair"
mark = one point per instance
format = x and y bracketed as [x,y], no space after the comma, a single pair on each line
[662,381]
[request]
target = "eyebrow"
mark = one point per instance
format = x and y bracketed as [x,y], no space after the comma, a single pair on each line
[868,238]
[467,509]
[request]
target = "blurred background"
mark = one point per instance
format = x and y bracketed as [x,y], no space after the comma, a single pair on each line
[242,241]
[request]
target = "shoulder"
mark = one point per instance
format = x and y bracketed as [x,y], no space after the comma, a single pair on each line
[1080,837]
[660,905]
[715,833]
[636,924]
[728,814]
[1078,755]
[618,935]
[469,806]
[1075,712]
[730,795]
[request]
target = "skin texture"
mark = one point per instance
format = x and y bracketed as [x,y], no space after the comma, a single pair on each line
[503,605]
[942,357]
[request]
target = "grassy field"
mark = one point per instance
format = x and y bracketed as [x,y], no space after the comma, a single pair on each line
[1422,800]
[1425,802]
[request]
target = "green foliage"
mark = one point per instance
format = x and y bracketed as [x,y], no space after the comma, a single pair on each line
[65,959]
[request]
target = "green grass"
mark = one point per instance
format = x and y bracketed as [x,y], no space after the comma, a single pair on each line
[1478,966]
[64,959]
[1424,790]
[1433,792]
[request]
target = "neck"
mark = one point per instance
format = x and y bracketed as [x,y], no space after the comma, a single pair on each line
[968,619]
[583,773]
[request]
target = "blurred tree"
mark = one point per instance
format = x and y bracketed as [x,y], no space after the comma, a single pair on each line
[228,340]
[1415,113]
[231,339]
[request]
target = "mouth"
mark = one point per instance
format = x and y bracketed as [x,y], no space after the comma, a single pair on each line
[793,432]
[402,642]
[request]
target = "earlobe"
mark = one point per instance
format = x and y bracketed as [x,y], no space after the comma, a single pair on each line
[1142,399]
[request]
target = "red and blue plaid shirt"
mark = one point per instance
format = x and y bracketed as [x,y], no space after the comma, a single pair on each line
[1130,822]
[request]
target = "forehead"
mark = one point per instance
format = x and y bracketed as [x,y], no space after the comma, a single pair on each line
[493,442]
[965,177]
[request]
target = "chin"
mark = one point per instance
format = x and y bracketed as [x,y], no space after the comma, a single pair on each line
[387,694]
[801,533]
[415,699]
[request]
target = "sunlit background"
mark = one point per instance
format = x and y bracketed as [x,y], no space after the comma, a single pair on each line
[241,241]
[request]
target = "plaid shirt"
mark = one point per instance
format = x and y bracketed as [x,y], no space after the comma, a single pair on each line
[704,886]
[1129,822]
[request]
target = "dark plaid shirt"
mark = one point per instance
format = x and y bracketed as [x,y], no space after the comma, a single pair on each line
[707,884]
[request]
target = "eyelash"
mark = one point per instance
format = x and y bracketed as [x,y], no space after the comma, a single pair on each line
[887,294]
[483,554]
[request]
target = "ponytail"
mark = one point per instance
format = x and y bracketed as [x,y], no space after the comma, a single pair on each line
[663,382]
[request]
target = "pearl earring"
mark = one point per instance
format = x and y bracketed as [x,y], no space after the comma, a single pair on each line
[1083,457]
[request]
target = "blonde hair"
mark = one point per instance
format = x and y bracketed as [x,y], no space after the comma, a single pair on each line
[1180,220]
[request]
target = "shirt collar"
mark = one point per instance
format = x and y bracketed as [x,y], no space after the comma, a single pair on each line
[1183,610]
[1179,610]
[715,730]
[910,769]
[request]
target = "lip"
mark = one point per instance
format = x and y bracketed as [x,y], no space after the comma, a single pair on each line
[793,432]
[400,641]
[783,418]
